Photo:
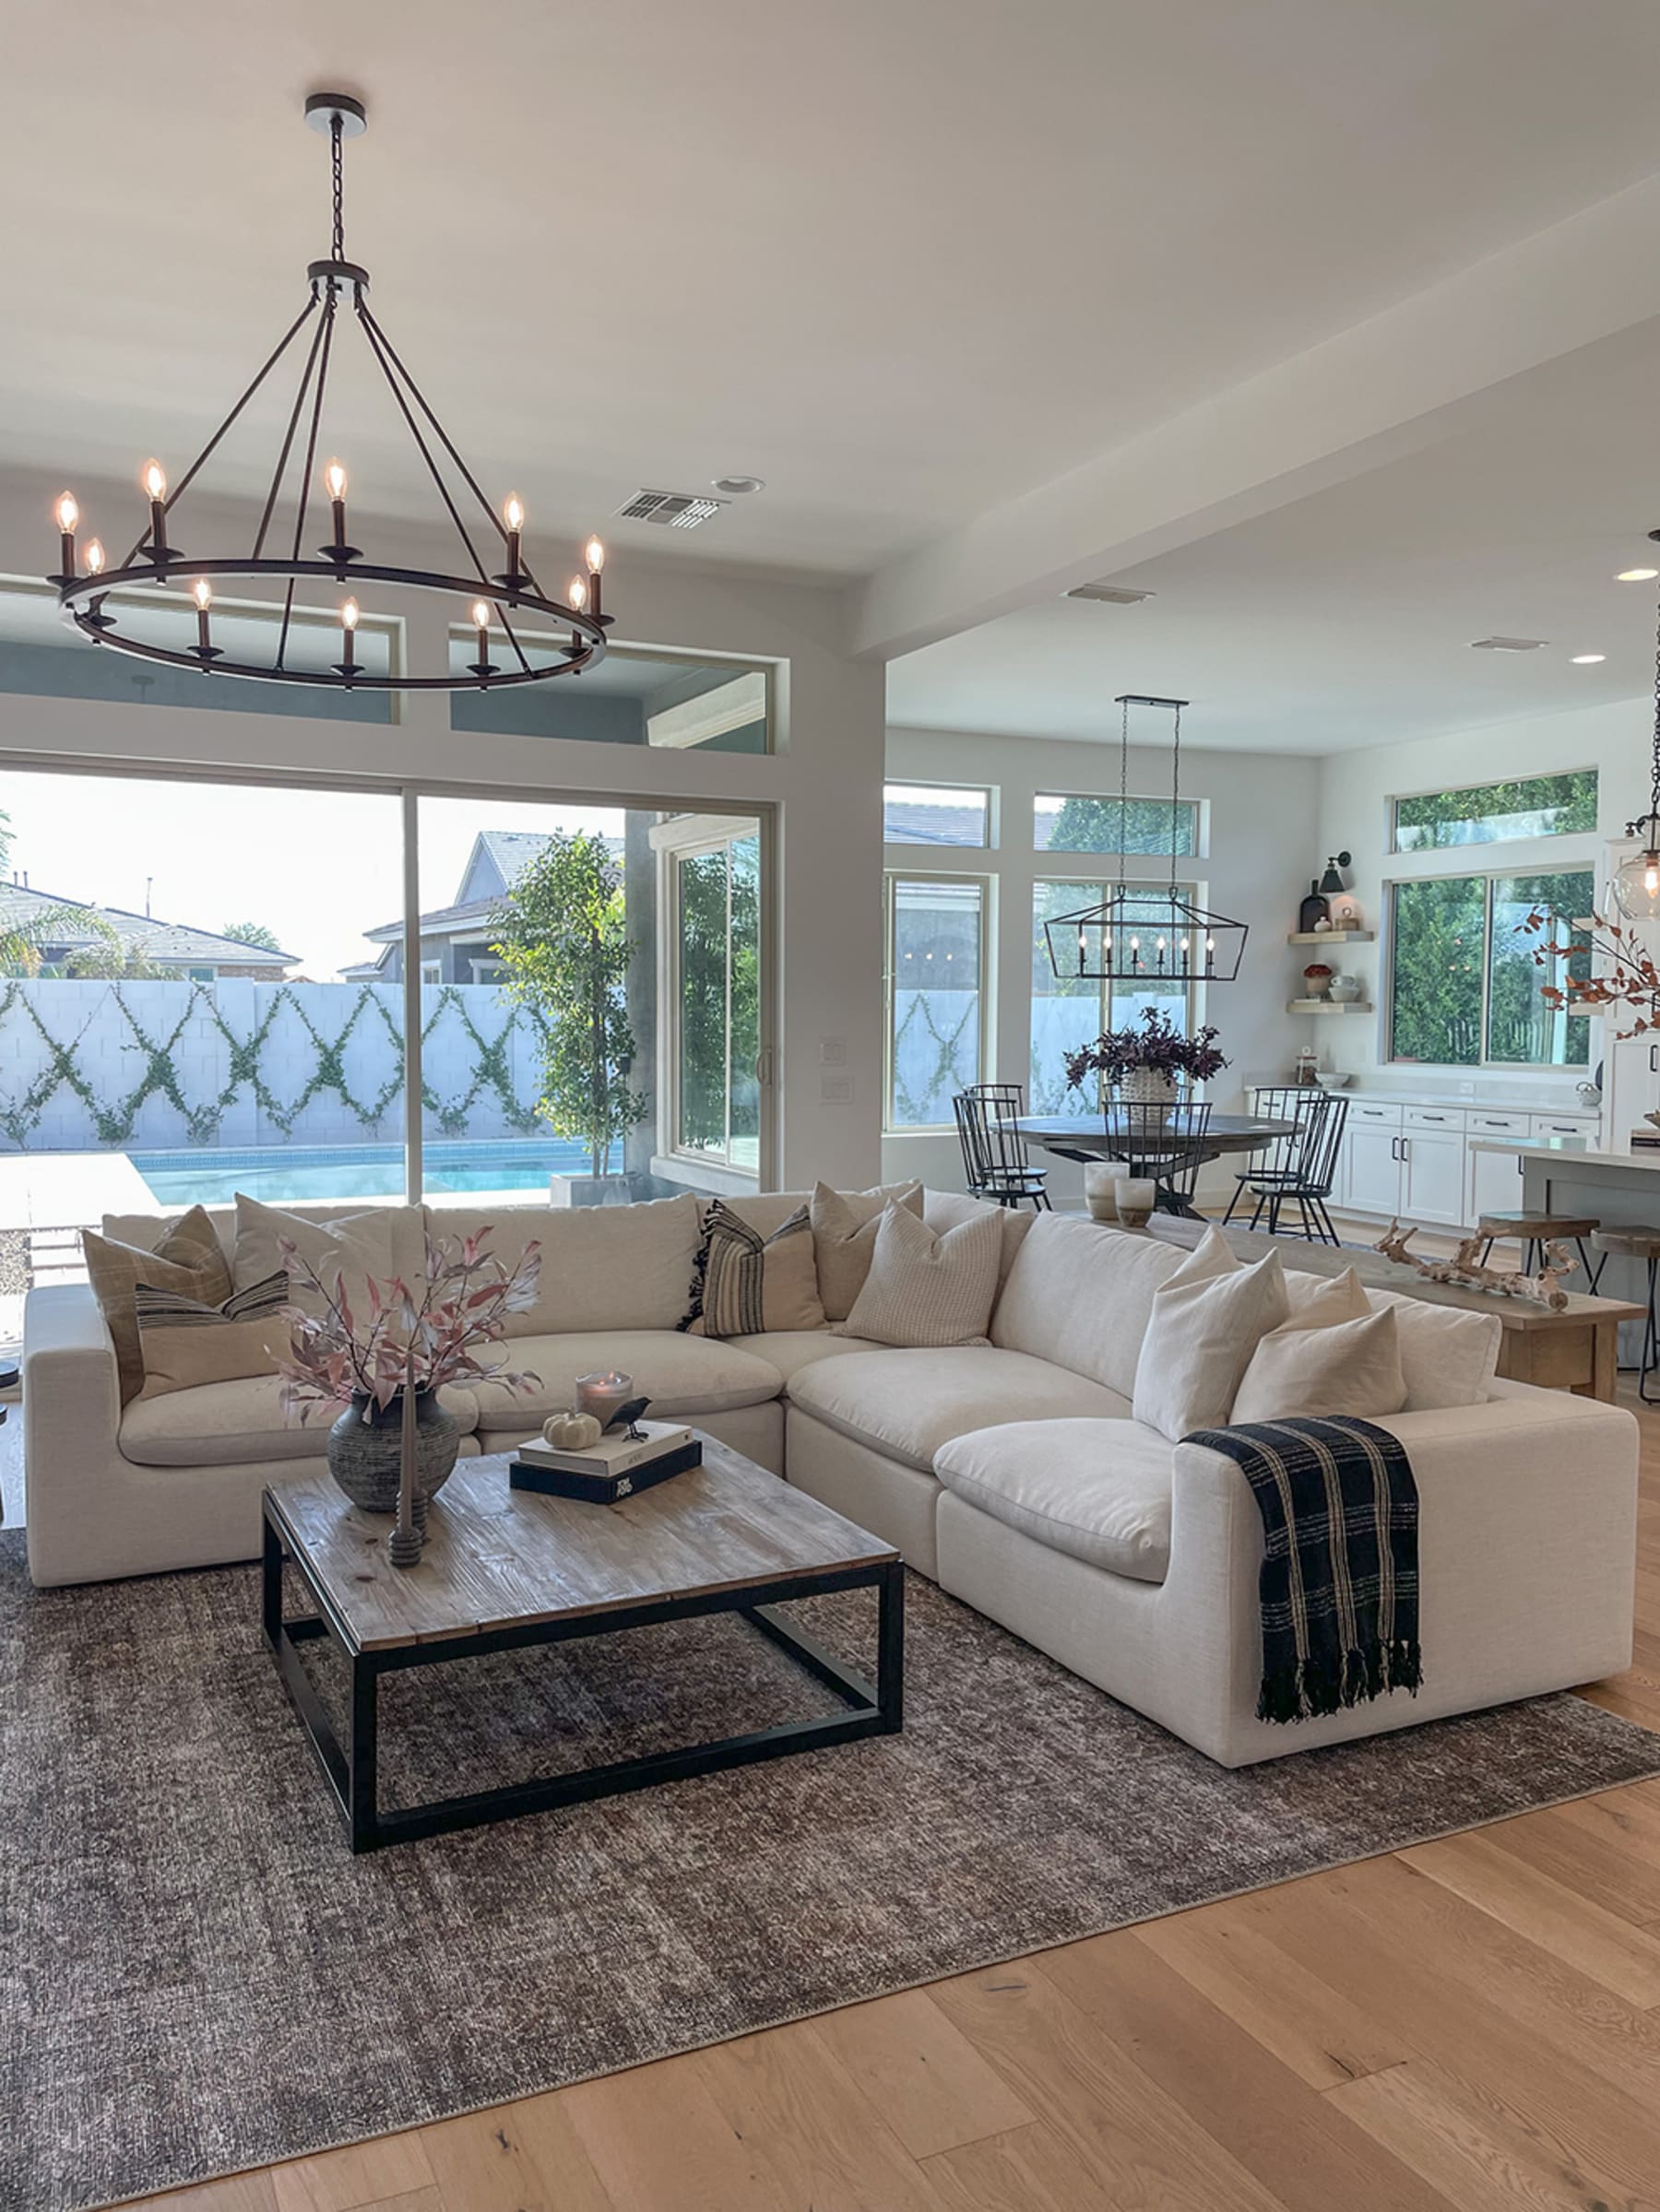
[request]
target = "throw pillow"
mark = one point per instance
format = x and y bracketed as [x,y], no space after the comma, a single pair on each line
[345,1252]
[188,1260]
[926,1288]
[1348,1367]
[186,1341]
[1320,1301]
[844,1238]
[747,1284]
[1448,1356]
[1211,1256]
[1200,1342]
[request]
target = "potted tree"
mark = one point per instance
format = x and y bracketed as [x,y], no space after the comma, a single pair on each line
[1145,1063]
[563,940]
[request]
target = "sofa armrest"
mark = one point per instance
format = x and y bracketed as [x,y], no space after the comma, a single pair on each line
[71,1416]
[1527,1540]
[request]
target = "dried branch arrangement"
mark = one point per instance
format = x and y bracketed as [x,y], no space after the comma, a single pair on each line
[1625,973]
[1465,1272]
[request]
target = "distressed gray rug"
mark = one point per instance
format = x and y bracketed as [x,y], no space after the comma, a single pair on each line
[196,1976]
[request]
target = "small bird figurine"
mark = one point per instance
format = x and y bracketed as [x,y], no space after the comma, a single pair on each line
[627,1416]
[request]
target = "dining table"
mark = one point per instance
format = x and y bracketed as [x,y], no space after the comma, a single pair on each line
[1109,1136]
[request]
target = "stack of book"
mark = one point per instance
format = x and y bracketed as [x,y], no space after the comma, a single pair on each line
[615,1467]
[1645,1140]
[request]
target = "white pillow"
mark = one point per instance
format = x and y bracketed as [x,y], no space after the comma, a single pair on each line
[1320,1301]
[1199,1344]
[924,1288]
[1344,1367]
[1448,1356]
[344,1250]
[1212,1256]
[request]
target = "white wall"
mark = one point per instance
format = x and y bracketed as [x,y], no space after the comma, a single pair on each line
[1260,846]
[824,779]
[1355,789]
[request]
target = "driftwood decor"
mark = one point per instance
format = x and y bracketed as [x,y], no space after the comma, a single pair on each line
[1465,1272]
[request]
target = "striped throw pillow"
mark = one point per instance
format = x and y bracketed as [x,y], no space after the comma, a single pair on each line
[926,1289]
[186,1343]
[748,1284]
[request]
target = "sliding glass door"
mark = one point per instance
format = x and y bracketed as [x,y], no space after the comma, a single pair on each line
[715,944]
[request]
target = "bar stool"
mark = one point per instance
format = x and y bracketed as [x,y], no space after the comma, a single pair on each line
[1536,1230]
[1644,1245]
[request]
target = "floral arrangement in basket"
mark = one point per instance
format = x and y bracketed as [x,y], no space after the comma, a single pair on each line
[1157,1047]
[336,1356]
[1627,975]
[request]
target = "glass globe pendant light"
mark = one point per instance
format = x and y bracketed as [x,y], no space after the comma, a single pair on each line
[1637,881]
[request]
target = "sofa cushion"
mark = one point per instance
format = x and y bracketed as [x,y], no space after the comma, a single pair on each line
[682,1376]
[1448,1356]
[928,1286]
[235,1424]
[908,1403]
[343,1254]
[748,1280]
[186,1341]
[602,1266]
[790,1353]
[1348,1367]
[1200,1342]
[844,1236]
[1098,1490]
[181,1255]
[1082,1295]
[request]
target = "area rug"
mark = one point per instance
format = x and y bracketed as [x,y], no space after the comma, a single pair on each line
[196,1976]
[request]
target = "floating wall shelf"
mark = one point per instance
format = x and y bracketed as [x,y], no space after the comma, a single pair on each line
[1331,937]
[1328,1006]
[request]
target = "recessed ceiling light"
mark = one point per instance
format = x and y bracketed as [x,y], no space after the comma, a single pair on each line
[1637,575]
[1583,660]
[739,487]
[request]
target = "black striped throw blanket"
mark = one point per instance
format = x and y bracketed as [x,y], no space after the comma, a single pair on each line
[1339,1585]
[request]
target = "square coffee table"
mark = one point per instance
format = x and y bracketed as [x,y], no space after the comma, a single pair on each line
[504,1569]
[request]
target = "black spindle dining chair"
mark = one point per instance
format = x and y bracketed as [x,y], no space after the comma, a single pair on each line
[994,1158]
[1299,1169]
[1164,1144]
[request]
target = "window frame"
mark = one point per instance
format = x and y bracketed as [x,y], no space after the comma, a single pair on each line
[1196,810]
[989,792]
[677,840]
[1487,877]
[1395,851]
[986,884]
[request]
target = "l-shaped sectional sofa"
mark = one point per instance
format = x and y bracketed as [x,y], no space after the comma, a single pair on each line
[1012,1472]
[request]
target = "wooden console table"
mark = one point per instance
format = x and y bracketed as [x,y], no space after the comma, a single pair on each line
[1576,1349]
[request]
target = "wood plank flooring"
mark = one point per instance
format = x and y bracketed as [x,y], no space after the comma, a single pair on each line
[1471,2024]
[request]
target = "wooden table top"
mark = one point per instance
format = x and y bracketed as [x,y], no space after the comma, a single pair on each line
[497,1557]
[1378,1273]
[1224,1132]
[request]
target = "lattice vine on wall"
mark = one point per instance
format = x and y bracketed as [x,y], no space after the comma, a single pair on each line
[917,1029]
[116,1120]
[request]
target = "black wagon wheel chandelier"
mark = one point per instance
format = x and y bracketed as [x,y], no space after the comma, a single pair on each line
[88,591]
[1143,934]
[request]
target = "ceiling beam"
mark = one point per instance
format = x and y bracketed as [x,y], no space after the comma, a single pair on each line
[1388,387]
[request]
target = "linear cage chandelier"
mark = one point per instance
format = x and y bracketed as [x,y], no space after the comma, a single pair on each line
[1142,934]
[90,593]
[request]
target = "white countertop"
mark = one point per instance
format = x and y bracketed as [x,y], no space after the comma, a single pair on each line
[1643,1162]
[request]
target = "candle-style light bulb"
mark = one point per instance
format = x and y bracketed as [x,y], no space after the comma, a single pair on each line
[69,511]
[201,591]
[202,594]
[593,554]
[334,477]
[349,617]
[155,479]
[578,593]
[155,484]
[513,510]
[334,484]
[94,556]
[347,665]
[480,615]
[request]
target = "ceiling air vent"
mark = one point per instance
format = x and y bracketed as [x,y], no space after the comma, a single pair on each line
[1507,645]
[1110,594]
[679,510]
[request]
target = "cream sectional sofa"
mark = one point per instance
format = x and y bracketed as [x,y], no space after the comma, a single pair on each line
[1013,1473]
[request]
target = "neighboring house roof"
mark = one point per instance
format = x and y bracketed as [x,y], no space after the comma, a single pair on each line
[907,823]
[497,860]
[171,944]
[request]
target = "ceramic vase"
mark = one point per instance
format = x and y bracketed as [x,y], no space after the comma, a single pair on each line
[365,1448]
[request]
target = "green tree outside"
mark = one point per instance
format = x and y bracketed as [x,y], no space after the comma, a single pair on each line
[1091,825]
[252,933]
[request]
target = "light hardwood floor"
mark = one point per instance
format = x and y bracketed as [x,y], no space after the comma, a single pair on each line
[1471,2024]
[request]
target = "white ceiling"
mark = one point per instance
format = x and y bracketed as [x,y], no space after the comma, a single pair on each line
[1345,619]
[906,259]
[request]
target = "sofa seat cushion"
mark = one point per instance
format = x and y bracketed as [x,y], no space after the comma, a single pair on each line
[235,1423]
[791,1350]
[910,1403]
[682,1376]
[1100,1490]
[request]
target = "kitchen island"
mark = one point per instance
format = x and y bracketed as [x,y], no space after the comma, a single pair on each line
[1620,1189]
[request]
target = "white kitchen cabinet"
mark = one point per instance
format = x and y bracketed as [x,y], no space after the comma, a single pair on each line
[1631,1086]
[1373,1182]
[1495,1183]
[1433,1179]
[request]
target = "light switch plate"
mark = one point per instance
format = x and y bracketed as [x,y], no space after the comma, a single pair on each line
[832,1052]
[837,1090]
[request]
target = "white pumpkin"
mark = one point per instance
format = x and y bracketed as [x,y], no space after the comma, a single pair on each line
[572,1432]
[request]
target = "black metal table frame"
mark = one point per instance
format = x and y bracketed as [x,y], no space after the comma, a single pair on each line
[352,1768]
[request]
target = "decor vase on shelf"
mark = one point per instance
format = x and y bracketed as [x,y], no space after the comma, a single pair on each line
[415,1339]
[1312,912]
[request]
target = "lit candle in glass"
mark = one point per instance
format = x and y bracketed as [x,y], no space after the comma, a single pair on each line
[604,1394]
[1136,1196]
[68,514]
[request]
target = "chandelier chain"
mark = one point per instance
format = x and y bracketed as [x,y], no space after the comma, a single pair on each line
[1123,788]
[1654,778]
[1175,792]
[338,167]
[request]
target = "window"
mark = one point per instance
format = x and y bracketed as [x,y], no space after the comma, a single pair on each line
[936,931]
[1074,823]
[935,814]
[1071,1011]
[1464,987]
[1535,805]
[716,947]
[632,697]
[431,971]
[483,971]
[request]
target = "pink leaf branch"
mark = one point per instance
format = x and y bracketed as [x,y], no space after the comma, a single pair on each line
[1625,975]
[463,1304]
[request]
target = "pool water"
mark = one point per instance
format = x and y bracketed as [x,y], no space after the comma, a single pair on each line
[366,1171]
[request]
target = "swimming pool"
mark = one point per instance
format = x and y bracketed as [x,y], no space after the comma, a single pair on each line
[367,1171]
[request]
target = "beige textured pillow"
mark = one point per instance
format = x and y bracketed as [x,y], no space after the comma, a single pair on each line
[187,1342]
[1211,1256]
[1449,1355]
[752,1283]
[346,1250]
[1199,1344]
[1320,1301]
[925,1288]
[844,1238]
[1346,1368]
[188,1260]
